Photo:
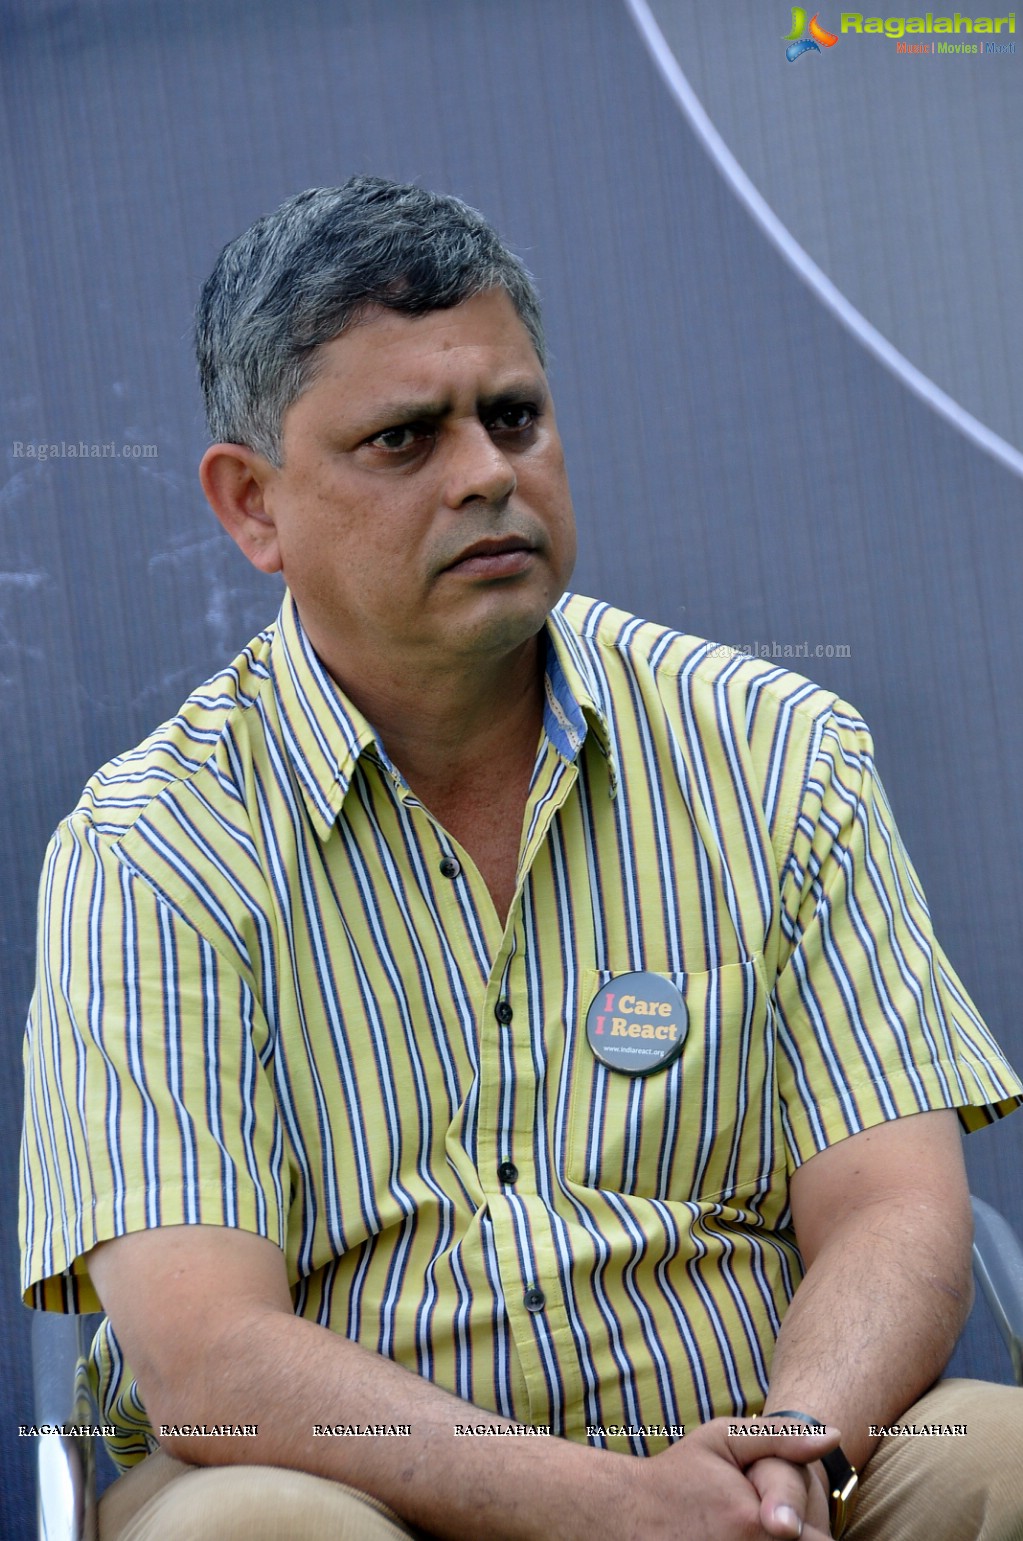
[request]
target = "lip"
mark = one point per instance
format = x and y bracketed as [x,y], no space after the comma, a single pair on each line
[494,558]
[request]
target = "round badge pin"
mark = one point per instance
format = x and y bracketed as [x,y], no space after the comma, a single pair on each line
[637,1023]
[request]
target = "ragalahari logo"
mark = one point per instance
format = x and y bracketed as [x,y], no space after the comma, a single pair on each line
[798,44]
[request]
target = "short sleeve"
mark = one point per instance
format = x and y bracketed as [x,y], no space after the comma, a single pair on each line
[872,1021]
[148,1098]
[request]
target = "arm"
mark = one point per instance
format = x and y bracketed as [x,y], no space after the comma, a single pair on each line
[867,1002]
[883,1222]
[205,1317]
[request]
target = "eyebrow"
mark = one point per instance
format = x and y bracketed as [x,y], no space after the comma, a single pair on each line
[403,412]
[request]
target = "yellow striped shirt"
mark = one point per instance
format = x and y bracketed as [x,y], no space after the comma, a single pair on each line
[274,993]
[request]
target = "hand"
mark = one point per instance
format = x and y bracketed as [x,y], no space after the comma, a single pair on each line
[775,1489]
[701,1489]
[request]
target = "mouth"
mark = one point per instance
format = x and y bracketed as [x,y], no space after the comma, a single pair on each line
[503,558]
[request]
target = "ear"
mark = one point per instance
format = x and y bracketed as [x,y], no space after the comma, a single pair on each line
[234,479]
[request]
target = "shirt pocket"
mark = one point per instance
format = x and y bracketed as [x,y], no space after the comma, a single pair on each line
[708,1126]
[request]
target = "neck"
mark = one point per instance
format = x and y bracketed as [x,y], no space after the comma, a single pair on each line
[447,728]
[465,738]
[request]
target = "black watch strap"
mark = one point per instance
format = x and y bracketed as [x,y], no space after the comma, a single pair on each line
[840,1472]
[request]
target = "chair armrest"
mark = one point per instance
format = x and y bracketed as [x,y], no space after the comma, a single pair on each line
[62,1489]
[998,1266]
[65,1463]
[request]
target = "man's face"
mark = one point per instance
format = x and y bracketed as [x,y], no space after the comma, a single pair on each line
[422,514]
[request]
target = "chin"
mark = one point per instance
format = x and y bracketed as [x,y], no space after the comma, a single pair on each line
[506,626]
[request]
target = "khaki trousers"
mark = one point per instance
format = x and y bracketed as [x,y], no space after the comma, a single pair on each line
[915,1488]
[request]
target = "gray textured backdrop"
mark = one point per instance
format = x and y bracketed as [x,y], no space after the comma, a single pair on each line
[898,173]
[742,467]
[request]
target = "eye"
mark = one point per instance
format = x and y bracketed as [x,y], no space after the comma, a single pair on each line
[404,437]
[517,418]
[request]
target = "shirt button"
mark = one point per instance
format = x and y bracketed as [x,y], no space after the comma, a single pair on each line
[534,1300]
[508,1172]
[450,867]
[503,1012]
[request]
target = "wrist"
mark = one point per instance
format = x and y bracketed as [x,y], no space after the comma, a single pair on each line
[840,1478]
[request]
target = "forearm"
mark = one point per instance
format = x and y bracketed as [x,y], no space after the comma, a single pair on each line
[287,1375]
[218,1342]
[875,1319]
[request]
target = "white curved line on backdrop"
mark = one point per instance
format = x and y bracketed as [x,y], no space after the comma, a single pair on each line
[922,385]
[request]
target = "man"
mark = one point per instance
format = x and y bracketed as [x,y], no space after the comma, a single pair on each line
[477,1008]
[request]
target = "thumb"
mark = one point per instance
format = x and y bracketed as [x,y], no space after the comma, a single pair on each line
[751,1439]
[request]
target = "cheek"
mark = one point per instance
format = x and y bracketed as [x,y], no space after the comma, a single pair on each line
[556,505]
[319,527]
[568,545]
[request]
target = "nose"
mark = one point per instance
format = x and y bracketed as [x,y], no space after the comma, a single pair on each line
[477,469]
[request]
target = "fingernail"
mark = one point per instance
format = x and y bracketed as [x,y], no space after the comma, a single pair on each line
[789,1516]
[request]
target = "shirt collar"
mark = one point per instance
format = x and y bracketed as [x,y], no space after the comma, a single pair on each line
[573,696]
[325,733]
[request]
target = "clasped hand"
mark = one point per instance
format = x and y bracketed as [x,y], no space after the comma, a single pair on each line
[715,1485]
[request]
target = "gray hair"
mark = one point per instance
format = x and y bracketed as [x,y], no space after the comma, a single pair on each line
[304,273]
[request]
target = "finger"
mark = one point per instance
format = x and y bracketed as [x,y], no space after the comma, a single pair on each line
[783,1491]
[817,1498]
